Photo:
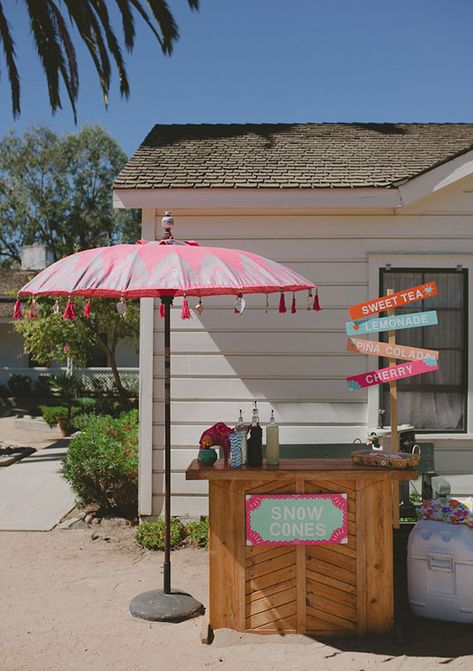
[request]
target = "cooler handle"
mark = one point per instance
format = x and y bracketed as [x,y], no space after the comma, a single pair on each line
[443,563]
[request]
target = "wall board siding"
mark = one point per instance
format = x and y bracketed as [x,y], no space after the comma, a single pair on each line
[296,364]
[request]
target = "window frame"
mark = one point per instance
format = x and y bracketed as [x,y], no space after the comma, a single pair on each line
[463,387]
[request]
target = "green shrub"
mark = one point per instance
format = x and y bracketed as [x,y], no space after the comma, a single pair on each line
[101,464]
[151,534]
[51,414]
[198,533]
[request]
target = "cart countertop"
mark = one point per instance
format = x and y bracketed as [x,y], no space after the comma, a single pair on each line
[320,469]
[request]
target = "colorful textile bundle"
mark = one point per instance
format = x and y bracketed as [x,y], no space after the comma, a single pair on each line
[446,510]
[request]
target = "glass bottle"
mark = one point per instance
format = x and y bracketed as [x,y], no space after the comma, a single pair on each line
[242,429]
[272,441]
[255,442]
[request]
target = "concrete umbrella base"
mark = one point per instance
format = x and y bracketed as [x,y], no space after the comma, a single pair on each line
[157,606]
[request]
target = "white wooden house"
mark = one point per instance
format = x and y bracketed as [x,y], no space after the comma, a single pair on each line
[357,208]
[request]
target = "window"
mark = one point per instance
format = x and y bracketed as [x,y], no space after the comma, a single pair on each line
[433,401]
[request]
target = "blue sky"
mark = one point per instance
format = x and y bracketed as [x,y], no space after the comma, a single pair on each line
[276,61]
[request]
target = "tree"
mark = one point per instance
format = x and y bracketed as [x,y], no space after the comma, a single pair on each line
[48,337]
[51,22]
[58,191]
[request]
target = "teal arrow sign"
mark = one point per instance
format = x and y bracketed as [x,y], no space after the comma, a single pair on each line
[393,323]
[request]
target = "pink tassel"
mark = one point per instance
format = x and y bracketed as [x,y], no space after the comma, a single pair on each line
[17,313]
[161,310]
[293,306]
[33,310]
[316,305]
[88,310]
[282,304]
[69,312]
[185,314]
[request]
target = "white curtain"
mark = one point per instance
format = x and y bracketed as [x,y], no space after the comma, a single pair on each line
[433,407]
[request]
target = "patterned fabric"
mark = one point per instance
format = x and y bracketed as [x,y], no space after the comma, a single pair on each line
[218,434]
[446,510]
[153,270]
[235,450]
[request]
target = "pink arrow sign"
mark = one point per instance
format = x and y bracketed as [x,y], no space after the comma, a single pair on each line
[391,373]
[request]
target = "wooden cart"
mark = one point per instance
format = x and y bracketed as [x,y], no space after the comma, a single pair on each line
[329,590]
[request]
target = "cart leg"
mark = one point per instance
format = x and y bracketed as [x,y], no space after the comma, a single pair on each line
[206,631]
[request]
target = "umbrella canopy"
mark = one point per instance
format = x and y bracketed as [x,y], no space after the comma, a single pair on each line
[154,270]
[164,270]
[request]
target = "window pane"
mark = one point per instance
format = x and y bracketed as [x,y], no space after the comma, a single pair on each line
[448,333]
[429,411]
[450,286]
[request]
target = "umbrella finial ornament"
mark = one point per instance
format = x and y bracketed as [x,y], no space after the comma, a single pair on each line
[17,313]
[199,308]
[309,299]
[167,223]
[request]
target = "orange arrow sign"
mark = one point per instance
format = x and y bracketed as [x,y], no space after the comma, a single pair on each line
[423,291]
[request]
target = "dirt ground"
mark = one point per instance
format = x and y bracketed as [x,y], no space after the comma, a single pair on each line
[64,607]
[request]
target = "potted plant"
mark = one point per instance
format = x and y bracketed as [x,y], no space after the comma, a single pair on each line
[57,415]
[207,454]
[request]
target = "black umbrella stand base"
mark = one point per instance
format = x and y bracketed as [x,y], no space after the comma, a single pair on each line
[157,606]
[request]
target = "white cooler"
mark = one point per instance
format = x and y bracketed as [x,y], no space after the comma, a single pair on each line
[440,571]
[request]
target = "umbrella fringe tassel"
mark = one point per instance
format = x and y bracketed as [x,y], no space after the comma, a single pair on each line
[17,313]
[69,312]
[88,310]
[185,314]
[316,305]
[282,304]
[161,310]
[293,306]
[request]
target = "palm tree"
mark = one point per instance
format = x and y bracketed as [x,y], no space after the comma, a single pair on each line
[51,22]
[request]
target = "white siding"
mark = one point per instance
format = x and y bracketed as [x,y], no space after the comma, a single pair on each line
[296,364]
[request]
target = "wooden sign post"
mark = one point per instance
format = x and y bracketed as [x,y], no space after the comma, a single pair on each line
[393,388]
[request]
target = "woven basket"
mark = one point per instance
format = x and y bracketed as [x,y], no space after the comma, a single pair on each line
[387,459]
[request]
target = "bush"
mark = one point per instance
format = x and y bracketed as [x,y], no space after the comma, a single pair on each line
[102,463]
[42,386]
[151,534]
[198,533]
[51,415]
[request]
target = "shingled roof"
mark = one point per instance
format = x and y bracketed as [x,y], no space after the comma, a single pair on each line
[327,155]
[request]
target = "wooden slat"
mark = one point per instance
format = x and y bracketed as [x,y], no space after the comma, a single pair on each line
[379,552]
[320,566]
[326,553]
[284,626]
[270,579]
[271,553]
[335,620]
[271,565]
[226,555]
[269,591]
[333,607]
[273,487]
[361,568]
[300,574]
[268,602]
[272,615]
[331,581]
[332,592]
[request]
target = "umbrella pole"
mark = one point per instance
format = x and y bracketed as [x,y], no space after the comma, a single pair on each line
[166,605]
[167,301]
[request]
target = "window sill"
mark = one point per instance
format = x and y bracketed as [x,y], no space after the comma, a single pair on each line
[444,436]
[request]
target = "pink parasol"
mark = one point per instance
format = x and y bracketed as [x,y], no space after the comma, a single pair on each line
[164,270]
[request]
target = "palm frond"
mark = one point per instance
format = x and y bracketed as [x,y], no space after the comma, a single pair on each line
[9,51]
[69,72]
[112,42]
[166,22]
[128,23]
[82,15]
